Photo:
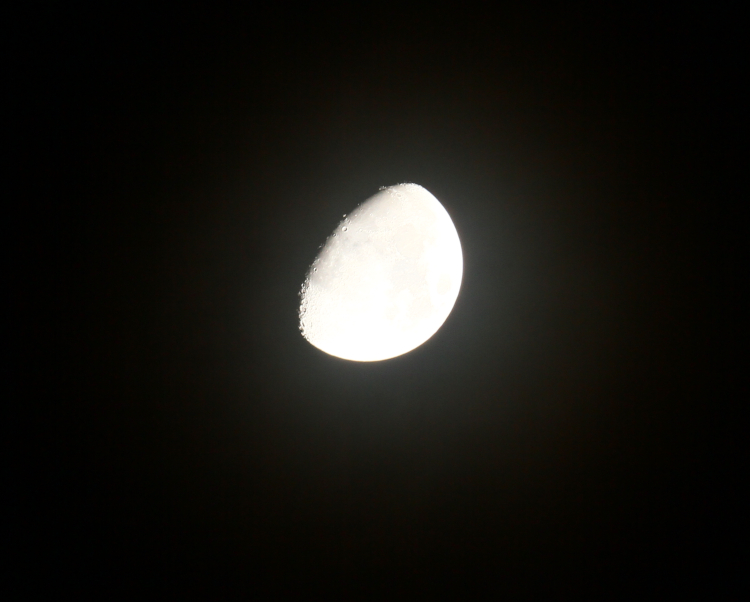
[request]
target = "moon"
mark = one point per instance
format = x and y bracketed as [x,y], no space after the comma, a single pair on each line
[385,280]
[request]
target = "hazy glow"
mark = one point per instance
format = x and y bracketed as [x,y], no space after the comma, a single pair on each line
[385,280]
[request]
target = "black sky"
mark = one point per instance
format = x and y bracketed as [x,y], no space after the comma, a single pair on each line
[558,436]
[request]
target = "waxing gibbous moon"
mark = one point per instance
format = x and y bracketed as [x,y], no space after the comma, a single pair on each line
[386,279]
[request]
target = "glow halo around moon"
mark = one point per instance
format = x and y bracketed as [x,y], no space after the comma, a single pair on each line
[386,280]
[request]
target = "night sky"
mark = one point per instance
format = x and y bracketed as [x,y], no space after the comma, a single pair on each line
[560,435]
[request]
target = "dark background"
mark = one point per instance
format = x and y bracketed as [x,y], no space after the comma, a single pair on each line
[562,434]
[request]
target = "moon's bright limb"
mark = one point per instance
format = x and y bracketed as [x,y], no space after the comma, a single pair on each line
[385,280]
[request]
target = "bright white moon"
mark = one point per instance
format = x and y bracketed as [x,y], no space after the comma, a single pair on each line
[385,280]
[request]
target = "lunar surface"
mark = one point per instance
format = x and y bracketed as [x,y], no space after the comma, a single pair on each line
[386,279]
